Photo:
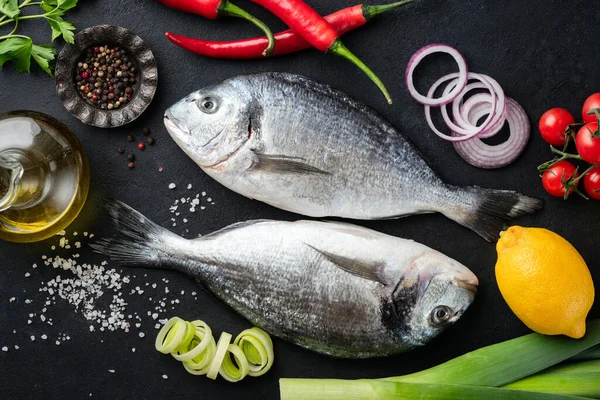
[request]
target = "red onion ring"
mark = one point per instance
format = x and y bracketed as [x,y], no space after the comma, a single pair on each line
[419,56]
[498,115]
[474,104]
[461,134]
[482,155]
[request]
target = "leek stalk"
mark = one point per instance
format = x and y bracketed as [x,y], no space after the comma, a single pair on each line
[373,389]
[478,374]
[506,362]
[573,379]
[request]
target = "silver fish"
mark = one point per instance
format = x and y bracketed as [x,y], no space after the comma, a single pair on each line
[334,288]
[304,147]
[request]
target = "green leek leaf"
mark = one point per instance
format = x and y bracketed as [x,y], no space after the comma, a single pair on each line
[573,379]
[506,362]
[370,389]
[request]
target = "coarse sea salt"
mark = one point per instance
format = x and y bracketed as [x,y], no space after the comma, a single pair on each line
[96,291]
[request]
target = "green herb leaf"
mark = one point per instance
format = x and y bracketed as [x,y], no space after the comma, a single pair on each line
[43,55]
[62,4]
[17,50]
[61,27]
[51,10]
[10,8]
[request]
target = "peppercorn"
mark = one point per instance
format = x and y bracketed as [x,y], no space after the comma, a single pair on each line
[130,157]
[141,146]
[103,70]
[146,131]
[131,165]
[130,138]
[149,140]
[121,150]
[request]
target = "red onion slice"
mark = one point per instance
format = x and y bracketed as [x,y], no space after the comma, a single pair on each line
[419,56]
[464,128]
[461,134]
[475,104]
[482,155]
[498,114]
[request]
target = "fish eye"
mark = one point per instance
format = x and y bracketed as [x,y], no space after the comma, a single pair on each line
[441,314]
[208,105]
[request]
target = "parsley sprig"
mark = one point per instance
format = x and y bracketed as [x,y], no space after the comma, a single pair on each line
[20,49]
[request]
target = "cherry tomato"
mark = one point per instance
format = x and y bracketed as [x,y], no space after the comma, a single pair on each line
[592,102]
[588,146]
[553,125]
[591,183]
[555,177]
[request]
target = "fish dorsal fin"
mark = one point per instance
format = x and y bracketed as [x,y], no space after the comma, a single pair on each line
[284,164]
[361,268]
[229,228]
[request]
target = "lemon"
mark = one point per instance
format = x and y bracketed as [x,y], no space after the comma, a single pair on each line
[544,281]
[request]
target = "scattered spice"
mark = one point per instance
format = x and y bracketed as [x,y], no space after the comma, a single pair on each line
[121,150]
[106,77]
[160,169]
[146,131]
[141,146]
[149,140]
[131,165]
[129,138]
[130,157]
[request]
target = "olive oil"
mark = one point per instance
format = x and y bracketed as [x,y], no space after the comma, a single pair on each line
[44,176]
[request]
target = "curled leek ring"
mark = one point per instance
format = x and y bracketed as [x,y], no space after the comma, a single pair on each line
[229,371]
[257,346]
[170,336]
[222,347]
[199,365]
[199,341]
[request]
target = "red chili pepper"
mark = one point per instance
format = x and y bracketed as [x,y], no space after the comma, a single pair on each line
[286,42]
[213,9]
[306,22]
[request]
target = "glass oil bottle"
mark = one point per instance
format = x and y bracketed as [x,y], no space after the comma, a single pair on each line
[44,176]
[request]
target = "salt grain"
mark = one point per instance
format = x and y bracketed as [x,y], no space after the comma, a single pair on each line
[172,186]
[4,348]
[165,377]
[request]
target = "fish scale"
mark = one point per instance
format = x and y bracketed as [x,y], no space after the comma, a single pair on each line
[334,288]
[304,147]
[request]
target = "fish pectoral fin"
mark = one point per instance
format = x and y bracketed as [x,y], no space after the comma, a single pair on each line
[284,164]
[361,268]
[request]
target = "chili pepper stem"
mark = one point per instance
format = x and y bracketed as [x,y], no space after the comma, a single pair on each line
[338,48]
[373,11]
[230,9]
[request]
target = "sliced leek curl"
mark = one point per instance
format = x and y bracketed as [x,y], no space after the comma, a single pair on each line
[193,344]
[257,346]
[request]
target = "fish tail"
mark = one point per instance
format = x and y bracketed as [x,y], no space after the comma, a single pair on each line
[138,241]
[487,211]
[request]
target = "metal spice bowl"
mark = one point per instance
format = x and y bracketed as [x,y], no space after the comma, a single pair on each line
[142,57]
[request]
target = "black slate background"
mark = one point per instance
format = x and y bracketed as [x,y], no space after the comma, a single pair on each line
[542,52]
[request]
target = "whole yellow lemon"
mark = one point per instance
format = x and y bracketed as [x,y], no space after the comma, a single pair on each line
[544,281]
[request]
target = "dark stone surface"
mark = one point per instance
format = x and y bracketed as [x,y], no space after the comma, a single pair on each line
[542,52]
